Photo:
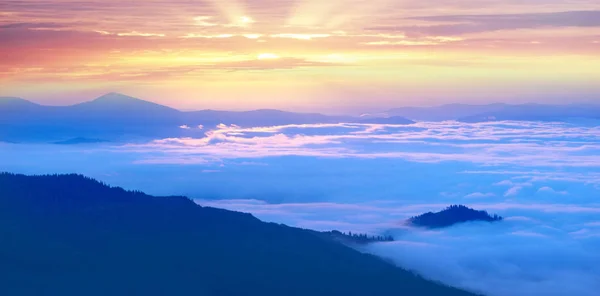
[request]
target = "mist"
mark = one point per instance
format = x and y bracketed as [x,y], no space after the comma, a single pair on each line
[543,178]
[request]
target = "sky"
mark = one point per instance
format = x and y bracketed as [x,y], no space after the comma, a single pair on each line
[305,55]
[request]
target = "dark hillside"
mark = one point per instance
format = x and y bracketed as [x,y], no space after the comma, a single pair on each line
[71,235]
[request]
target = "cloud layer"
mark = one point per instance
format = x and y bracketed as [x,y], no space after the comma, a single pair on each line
[544,178]
[532,251]
[492,144]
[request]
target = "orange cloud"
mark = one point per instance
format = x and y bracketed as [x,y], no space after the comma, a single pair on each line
[383,49]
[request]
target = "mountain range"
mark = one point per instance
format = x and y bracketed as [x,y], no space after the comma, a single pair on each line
[499,112]
[72,235]
[114,117]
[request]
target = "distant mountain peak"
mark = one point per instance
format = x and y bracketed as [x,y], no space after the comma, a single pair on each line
[2,99]
[115,97]
[124,103]
[15,100]
[12,104]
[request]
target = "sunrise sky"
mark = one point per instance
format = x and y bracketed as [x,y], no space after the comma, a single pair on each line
[302,55]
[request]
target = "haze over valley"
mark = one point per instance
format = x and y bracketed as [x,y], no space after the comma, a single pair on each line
[364,175]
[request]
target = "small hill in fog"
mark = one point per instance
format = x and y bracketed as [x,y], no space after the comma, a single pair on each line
[450,216]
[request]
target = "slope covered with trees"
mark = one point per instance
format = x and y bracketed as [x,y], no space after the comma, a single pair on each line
[71,235]
[356,238]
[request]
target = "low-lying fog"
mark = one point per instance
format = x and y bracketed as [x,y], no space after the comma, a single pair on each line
[544,178]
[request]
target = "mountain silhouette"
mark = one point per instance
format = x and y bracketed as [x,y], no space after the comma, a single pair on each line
[444,112]
[16,109]
[115,102]
[538,112]
[387,120]
[13,102]
[71,235]
[116,116]
[452,215]
[262,117]
[497,112]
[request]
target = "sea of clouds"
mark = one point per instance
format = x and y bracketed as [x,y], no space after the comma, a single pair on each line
[544,178]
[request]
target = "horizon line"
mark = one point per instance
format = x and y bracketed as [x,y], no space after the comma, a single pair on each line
[274,109]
